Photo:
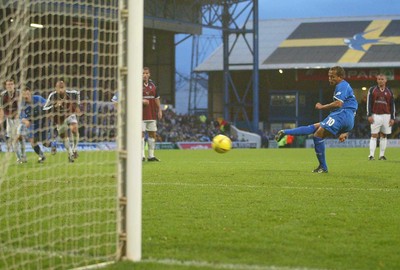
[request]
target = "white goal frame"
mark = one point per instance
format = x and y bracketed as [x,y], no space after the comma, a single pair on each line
[130,163]
[87,214]
[134,134]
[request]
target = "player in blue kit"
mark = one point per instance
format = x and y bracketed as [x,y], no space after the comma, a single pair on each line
[33,123]
[339,121]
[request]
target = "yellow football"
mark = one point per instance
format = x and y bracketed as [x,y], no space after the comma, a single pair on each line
[221,144]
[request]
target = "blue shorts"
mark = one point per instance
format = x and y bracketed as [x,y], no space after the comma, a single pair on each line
[339,121]
[33,132]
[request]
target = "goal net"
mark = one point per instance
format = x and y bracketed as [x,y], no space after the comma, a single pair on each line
[59,211]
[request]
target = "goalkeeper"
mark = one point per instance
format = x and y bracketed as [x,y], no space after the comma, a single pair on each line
[64,104]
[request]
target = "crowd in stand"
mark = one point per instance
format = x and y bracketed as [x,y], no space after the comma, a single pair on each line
[101,126]
[182,128]
[171,128]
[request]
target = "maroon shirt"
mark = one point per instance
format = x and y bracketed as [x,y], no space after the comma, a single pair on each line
[380,102]
[69,103]
[9,104]
[150,93]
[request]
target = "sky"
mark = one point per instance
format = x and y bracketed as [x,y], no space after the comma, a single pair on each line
[283,9]
[278,9]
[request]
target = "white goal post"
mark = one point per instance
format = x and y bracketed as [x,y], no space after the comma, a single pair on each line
[70,195]
[134,125]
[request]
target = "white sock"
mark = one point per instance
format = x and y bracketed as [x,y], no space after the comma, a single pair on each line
[143,156]
[75,137]
[382,146]
[23,154]
[152,146]
[16,149]
[372,147]
[67,146]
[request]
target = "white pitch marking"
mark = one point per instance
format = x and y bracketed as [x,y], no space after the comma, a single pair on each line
[222,265]
[276,187]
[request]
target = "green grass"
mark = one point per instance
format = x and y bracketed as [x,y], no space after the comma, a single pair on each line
[57,214]
[253,209]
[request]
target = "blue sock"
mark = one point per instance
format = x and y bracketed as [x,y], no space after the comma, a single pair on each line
[37,150]
[303,130]
[53,144]
[319,146]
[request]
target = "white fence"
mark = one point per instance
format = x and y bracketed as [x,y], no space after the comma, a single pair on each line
[351,143]
[245,136]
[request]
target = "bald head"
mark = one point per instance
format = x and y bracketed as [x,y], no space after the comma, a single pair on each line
[60,86]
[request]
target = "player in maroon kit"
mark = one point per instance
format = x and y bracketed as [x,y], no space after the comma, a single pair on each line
[9,112]
[64,107]
[381,115]
[151,113]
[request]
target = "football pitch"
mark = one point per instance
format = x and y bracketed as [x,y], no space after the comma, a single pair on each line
[263,209]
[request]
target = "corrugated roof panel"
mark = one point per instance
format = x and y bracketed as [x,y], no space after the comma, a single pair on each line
[379,53]
[306,55]
[393,29]
[328,29]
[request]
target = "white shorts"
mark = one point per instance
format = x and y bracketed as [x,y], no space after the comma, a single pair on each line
[149,125]
[22,130]
[381,124]
[12,127]
[72,119]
